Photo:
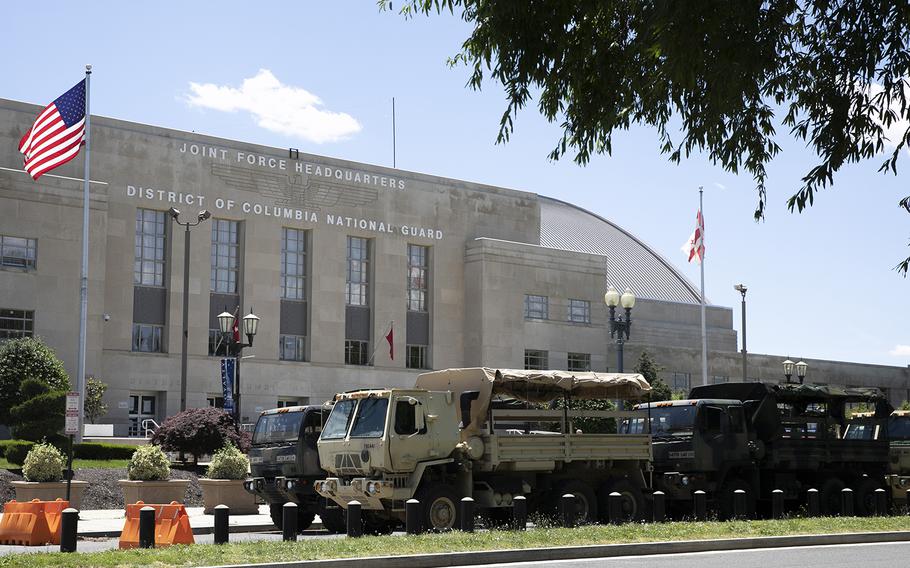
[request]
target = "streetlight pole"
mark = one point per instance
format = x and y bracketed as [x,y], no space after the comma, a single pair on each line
[619,325]
[741,288]
[235,348]
[202,216]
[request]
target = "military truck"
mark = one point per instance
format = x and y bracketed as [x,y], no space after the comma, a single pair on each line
[864,426]
[489,434]
[761,437]
[284,464]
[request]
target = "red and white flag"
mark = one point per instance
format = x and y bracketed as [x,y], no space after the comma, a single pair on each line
[391,339]
[694,248]
[58,132]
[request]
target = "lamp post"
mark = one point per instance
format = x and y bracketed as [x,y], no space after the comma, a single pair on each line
[741,288]
[235,347]
[800,367]
[619,325]
[202,216]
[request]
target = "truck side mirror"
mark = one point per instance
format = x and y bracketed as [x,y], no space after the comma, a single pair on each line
[420,420]
[465,401]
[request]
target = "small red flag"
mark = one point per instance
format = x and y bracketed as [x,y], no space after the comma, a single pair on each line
[236,327]
[391,340]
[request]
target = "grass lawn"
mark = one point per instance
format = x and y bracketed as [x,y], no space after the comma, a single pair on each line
[77,464]
[322,548]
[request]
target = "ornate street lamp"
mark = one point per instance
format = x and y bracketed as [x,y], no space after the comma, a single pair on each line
[619,326]
[801,369]
[235,347]
[788,369]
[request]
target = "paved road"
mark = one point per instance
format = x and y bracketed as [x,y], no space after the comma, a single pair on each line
[886,555]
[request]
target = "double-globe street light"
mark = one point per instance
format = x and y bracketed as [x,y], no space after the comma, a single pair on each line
[235,348]
[741,288]
[619,326]
[800,367]
[202,216]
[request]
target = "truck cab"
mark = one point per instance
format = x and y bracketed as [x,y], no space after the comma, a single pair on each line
[863,425]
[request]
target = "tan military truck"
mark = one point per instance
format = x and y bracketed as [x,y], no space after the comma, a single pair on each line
[861,426]
[487,434]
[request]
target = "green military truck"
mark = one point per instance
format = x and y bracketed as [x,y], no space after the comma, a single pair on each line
[864,426]
[761,437]
[284,464]
[483,433]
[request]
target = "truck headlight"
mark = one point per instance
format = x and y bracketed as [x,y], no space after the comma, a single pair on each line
[684,480]
[372,488]
[289,484]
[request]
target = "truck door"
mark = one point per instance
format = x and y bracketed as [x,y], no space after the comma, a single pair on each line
[409,442]
[310,428]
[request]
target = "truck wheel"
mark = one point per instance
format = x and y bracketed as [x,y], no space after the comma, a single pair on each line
[830,496]
[864,496]
[375,525]
[633,502]
[585,499]
[275,510]
[439,507]
[726,496]
[304,516]
[333,520]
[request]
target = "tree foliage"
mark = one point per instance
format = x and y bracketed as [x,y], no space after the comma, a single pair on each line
[725,75]
[40,414]
[95,407]
[27,358]
[199,431]
[650,370]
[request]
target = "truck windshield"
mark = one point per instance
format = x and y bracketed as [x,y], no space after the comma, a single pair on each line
[664,420]
[274,428]
[899,428]
[370,421]
[337,424]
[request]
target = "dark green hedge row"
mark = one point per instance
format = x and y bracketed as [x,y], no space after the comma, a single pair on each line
[15,451]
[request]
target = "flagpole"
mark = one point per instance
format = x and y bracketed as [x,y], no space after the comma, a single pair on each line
[83,280]
[704,335]
[376,345]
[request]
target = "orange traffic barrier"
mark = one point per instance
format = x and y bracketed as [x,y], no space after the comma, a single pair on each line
[33,523]
[172,525]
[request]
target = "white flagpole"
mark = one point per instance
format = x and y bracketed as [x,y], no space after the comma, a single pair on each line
[704,335]
[83,281]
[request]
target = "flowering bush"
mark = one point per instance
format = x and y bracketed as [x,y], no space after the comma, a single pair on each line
[149,463]
[228,463]
[44,462]
[199,431]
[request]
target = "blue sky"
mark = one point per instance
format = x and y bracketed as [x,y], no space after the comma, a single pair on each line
[821,283]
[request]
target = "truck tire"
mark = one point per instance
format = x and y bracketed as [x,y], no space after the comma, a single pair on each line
[333,520]
[585,499]
[439,507]
[304,516]
[726,496]
[829,496]
[633,502]
[864,496]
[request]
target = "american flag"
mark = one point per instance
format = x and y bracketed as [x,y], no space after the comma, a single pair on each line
[694,248]
[57,133]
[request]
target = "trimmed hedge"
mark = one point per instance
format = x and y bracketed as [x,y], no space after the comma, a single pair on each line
[16,450]
[99,451]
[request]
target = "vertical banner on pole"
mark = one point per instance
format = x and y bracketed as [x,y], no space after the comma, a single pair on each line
[228,370]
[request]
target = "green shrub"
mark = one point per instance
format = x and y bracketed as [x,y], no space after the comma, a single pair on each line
[27,358]
[44,462]
[40,414]
[17,450]
[228,463]
[98,451]
[149,463]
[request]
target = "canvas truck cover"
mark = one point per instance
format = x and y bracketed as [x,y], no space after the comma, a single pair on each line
[530,386]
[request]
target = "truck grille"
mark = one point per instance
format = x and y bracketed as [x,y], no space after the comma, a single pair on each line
[348,464]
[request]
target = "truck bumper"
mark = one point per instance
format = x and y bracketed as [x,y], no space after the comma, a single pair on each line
[280,489]
[369,493]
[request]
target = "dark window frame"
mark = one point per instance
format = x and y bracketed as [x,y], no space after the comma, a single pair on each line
[16,323]
[27,262]
[418,277]
[579,311]
[157,338]
[298,353]
[537,359]
[225,256]
[294,245]
[356,352]
[357,275]
[417,356]
[537,307]
[578,362]
[150,248]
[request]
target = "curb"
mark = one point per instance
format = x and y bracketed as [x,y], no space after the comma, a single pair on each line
[587,552]
[315,529]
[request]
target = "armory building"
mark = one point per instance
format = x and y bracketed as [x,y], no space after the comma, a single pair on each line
[330,254]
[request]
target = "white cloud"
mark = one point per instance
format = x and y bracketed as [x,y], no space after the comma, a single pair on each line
[900,351]
[280,108]
[719,185]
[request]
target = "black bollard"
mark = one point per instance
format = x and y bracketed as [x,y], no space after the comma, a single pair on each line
[222,514]
[289,521]
[777,504]
[355,527]
[700,505]
[907,501]
[519,513]
[69,523]
[567,510]
[846,501]
[812,503]
[881,502]
[147,527]
[466,514]
[660,507]
[412,521]
[739,504]
[614,508]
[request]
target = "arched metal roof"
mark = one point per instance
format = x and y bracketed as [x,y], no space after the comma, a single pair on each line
[630,262]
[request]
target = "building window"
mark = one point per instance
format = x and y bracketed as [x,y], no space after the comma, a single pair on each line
[147,338]
[416,357]
[680,382]
[535,359]
[579,311]
[225,245]
[216,401]
[287,402]
[536,307]
[16,323]
[418,268]
[148,267]
[356,352]
[579,362]
[217,344]
[719,379]
[18,252]
[357,280]
[291,347]
[293,264]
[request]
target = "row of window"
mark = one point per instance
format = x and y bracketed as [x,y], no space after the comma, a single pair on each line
[538,360]
[538,308]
